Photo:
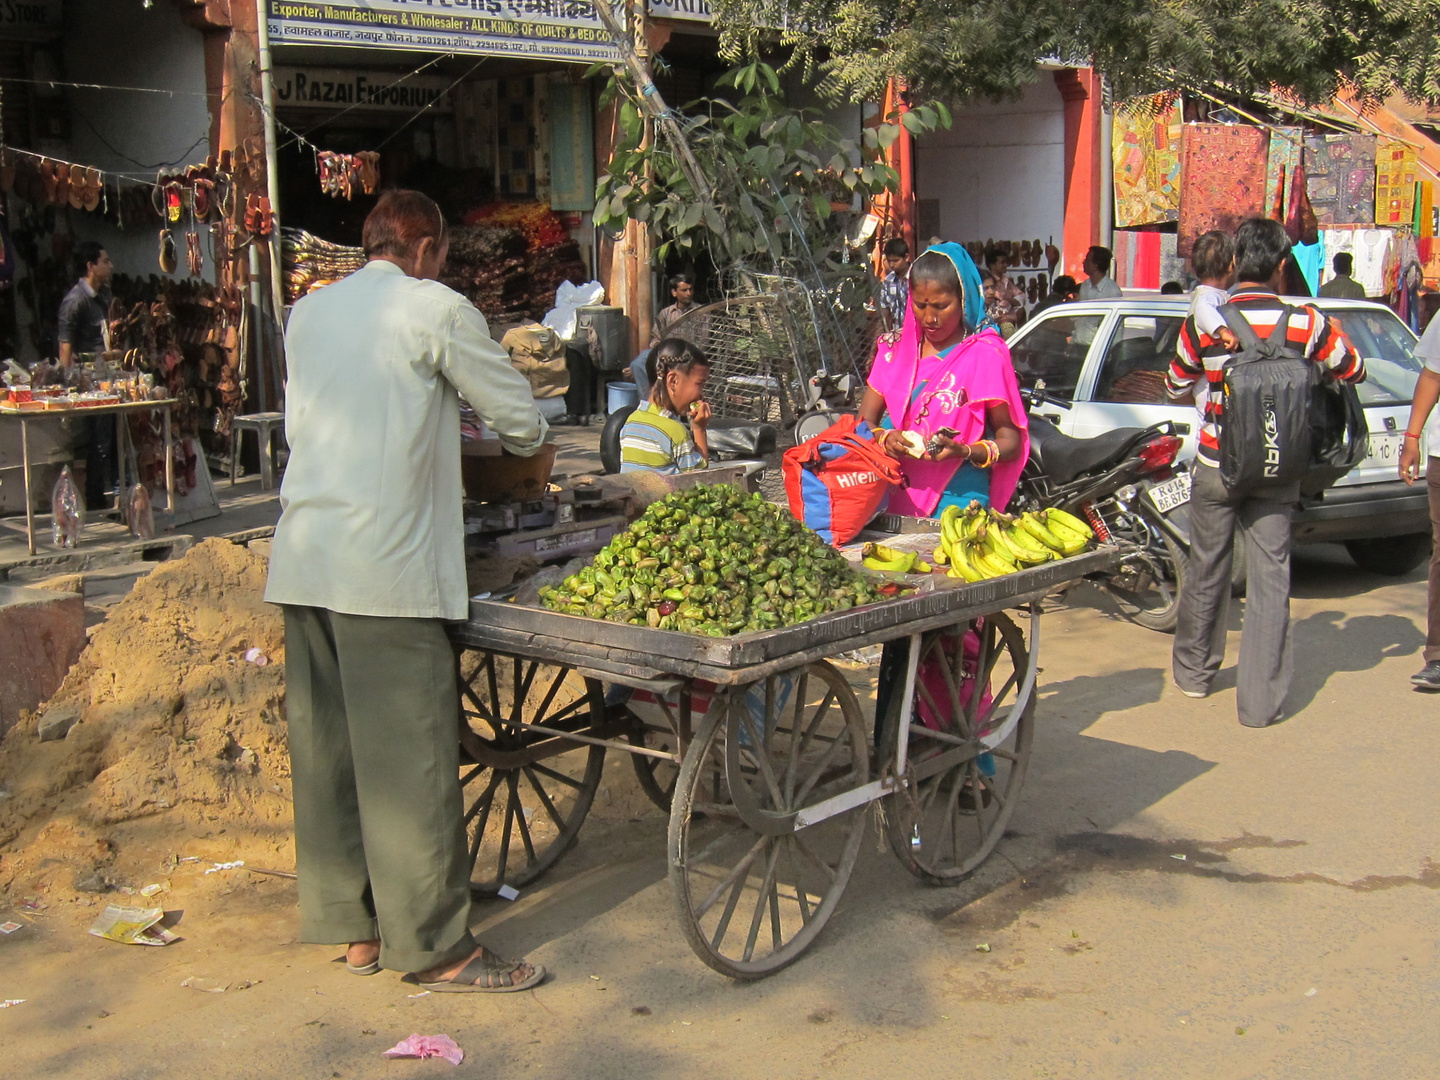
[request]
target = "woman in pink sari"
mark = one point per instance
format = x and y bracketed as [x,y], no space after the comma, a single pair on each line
[950,380]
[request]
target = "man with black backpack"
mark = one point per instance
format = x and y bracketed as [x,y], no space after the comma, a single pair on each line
[1254,448]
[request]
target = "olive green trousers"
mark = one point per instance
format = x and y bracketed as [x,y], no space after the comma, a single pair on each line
[374,754]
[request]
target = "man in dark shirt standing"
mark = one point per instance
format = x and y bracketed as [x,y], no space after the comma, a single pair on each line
[83,315]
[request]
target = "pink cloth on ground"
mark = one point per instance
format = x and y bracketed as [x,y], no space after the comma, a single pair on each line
[960,385]
[427,1046]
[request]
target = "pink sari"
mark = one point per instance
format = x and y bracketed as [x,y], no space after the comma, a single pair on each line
[959,385]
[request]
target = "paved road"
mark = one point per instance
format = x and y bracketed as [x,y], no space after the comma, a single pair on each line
[1179,897]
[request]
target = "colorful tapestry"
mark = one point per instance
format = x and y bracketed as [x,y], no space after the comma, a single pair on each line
[1222,180]
[1341,174]
[1280,164]
[1395,176]
[1145,146]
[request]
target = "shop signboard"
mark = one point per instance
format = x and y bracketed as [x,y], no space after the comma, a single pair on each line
[29,20]
[332,88]
[542,29]
[691,10]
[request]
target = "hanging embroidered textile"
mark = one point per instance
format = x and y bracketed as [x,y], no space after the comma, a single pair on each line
[1341,173]
[1280,164]
[1395,176]
[1145,146]
[1222,179]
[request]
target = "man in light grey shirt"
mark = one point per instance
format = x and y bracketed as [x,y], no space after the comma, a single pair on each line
[1099,285]
[368,561]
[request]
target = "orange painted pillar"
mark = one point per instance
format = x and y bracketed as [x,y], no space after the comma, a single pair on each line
[1080,90]
[905,197]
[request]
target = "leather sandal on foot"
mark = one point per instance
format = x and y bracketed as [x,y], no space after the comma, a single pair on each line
[489,974]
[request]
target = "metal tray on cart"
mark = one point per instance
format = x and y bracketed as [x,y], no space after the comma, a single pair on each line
[586,642]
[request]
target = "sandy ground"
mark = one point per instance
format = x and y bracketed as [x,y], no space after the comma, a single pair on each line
[1296,936]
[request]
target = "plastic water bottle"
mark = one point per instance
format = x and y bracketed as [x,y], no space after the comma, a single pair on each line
[67,510]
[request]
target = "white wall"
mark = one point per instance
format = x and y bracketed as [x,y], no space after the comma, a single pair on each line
[999,172]
[125,44]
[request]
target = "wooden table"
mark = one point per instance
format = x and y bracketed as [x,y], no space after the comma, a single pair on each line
[121,413]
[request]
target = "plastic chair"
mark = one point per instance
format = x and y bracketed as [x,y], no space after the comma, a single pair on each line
[265,425]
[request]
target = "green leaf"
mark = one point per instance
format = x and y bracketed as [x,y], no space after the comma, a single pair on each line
[822,206]
[771,79]
[712,220]
[888,133]
[913,123]
[693,213]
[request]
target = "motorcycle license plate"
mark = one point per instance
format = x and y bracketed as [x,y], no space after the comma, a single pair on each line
[1171,493]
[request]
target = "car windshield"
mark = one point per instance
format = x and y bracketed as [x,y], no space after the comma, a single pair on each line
[1388,348]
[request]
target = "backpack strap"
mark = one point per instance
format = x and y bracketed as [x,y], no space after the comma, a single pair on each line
[1235,319]
[1239,325]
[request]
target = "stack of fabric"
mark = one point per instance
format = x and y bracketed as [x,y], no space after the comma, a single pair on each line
[551,256]
[487,265]
[310,263]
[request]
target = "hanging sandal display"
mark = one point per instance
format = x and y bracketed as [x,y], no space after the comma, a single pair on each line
[169,261]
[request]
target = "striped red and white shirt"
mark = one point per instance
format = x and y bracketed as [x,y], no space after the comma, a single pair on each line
[1198,354]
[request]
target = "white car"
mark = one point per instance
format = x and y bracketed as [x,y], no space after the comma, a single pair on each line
[1109,358]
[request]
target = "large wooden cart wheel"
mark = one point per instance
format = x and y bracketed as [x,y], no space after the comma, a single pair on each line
[526,792]
[969,749]
[753,883]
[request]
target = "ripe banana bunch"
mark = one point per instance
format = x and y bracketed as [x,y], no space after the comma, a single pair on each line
[880,557]
[976,543]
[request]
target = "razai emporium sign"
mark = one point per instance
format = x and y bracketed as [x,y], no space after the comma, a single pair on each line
[543,29]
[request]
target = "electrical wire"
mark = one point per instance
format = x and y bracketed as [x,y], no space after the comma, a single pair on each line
[140,164]
[56,83]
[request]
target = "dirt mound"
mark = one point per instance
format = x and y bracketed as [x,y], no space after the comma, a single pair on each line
[180,735]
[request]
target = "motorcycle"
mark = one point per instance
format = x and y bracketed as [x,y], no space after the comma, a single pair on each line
[1127,486]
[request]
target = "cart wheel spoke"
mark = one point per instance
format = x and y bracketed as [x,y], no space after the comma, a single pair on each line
[545,801]
[767,887]
[731,879]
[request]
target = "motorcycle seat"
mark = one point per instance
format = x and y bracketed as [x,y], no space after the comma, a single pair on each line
[1063,459]
[733,437]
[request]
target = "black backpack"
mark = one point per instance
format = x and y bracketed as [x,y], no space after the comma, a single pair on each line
[1270,387]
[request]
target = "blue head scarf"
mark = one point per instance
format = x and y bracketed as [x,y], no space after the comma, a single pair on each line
[972,289]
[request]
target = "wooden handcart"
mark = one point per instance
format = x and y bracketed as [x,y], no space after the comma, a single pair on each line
[758,747]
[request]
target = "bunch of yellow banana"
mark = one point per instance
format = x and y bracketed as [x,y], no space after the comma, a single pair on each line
[880,557]
[977,544]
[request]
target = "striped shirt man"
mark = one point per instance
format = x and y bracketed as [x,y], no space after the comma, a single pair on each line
[655,440]
[1199,354]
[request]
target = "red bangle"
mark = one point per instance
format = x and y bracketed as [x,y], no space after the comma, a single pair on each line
[1408,435]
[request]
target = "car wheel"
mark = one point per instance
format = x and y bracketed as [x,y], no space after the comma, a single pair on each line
[1390,556]
[610,438]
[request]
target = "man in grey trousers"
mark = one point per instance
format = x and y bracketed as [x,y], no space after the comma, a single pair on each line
[1261,250]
